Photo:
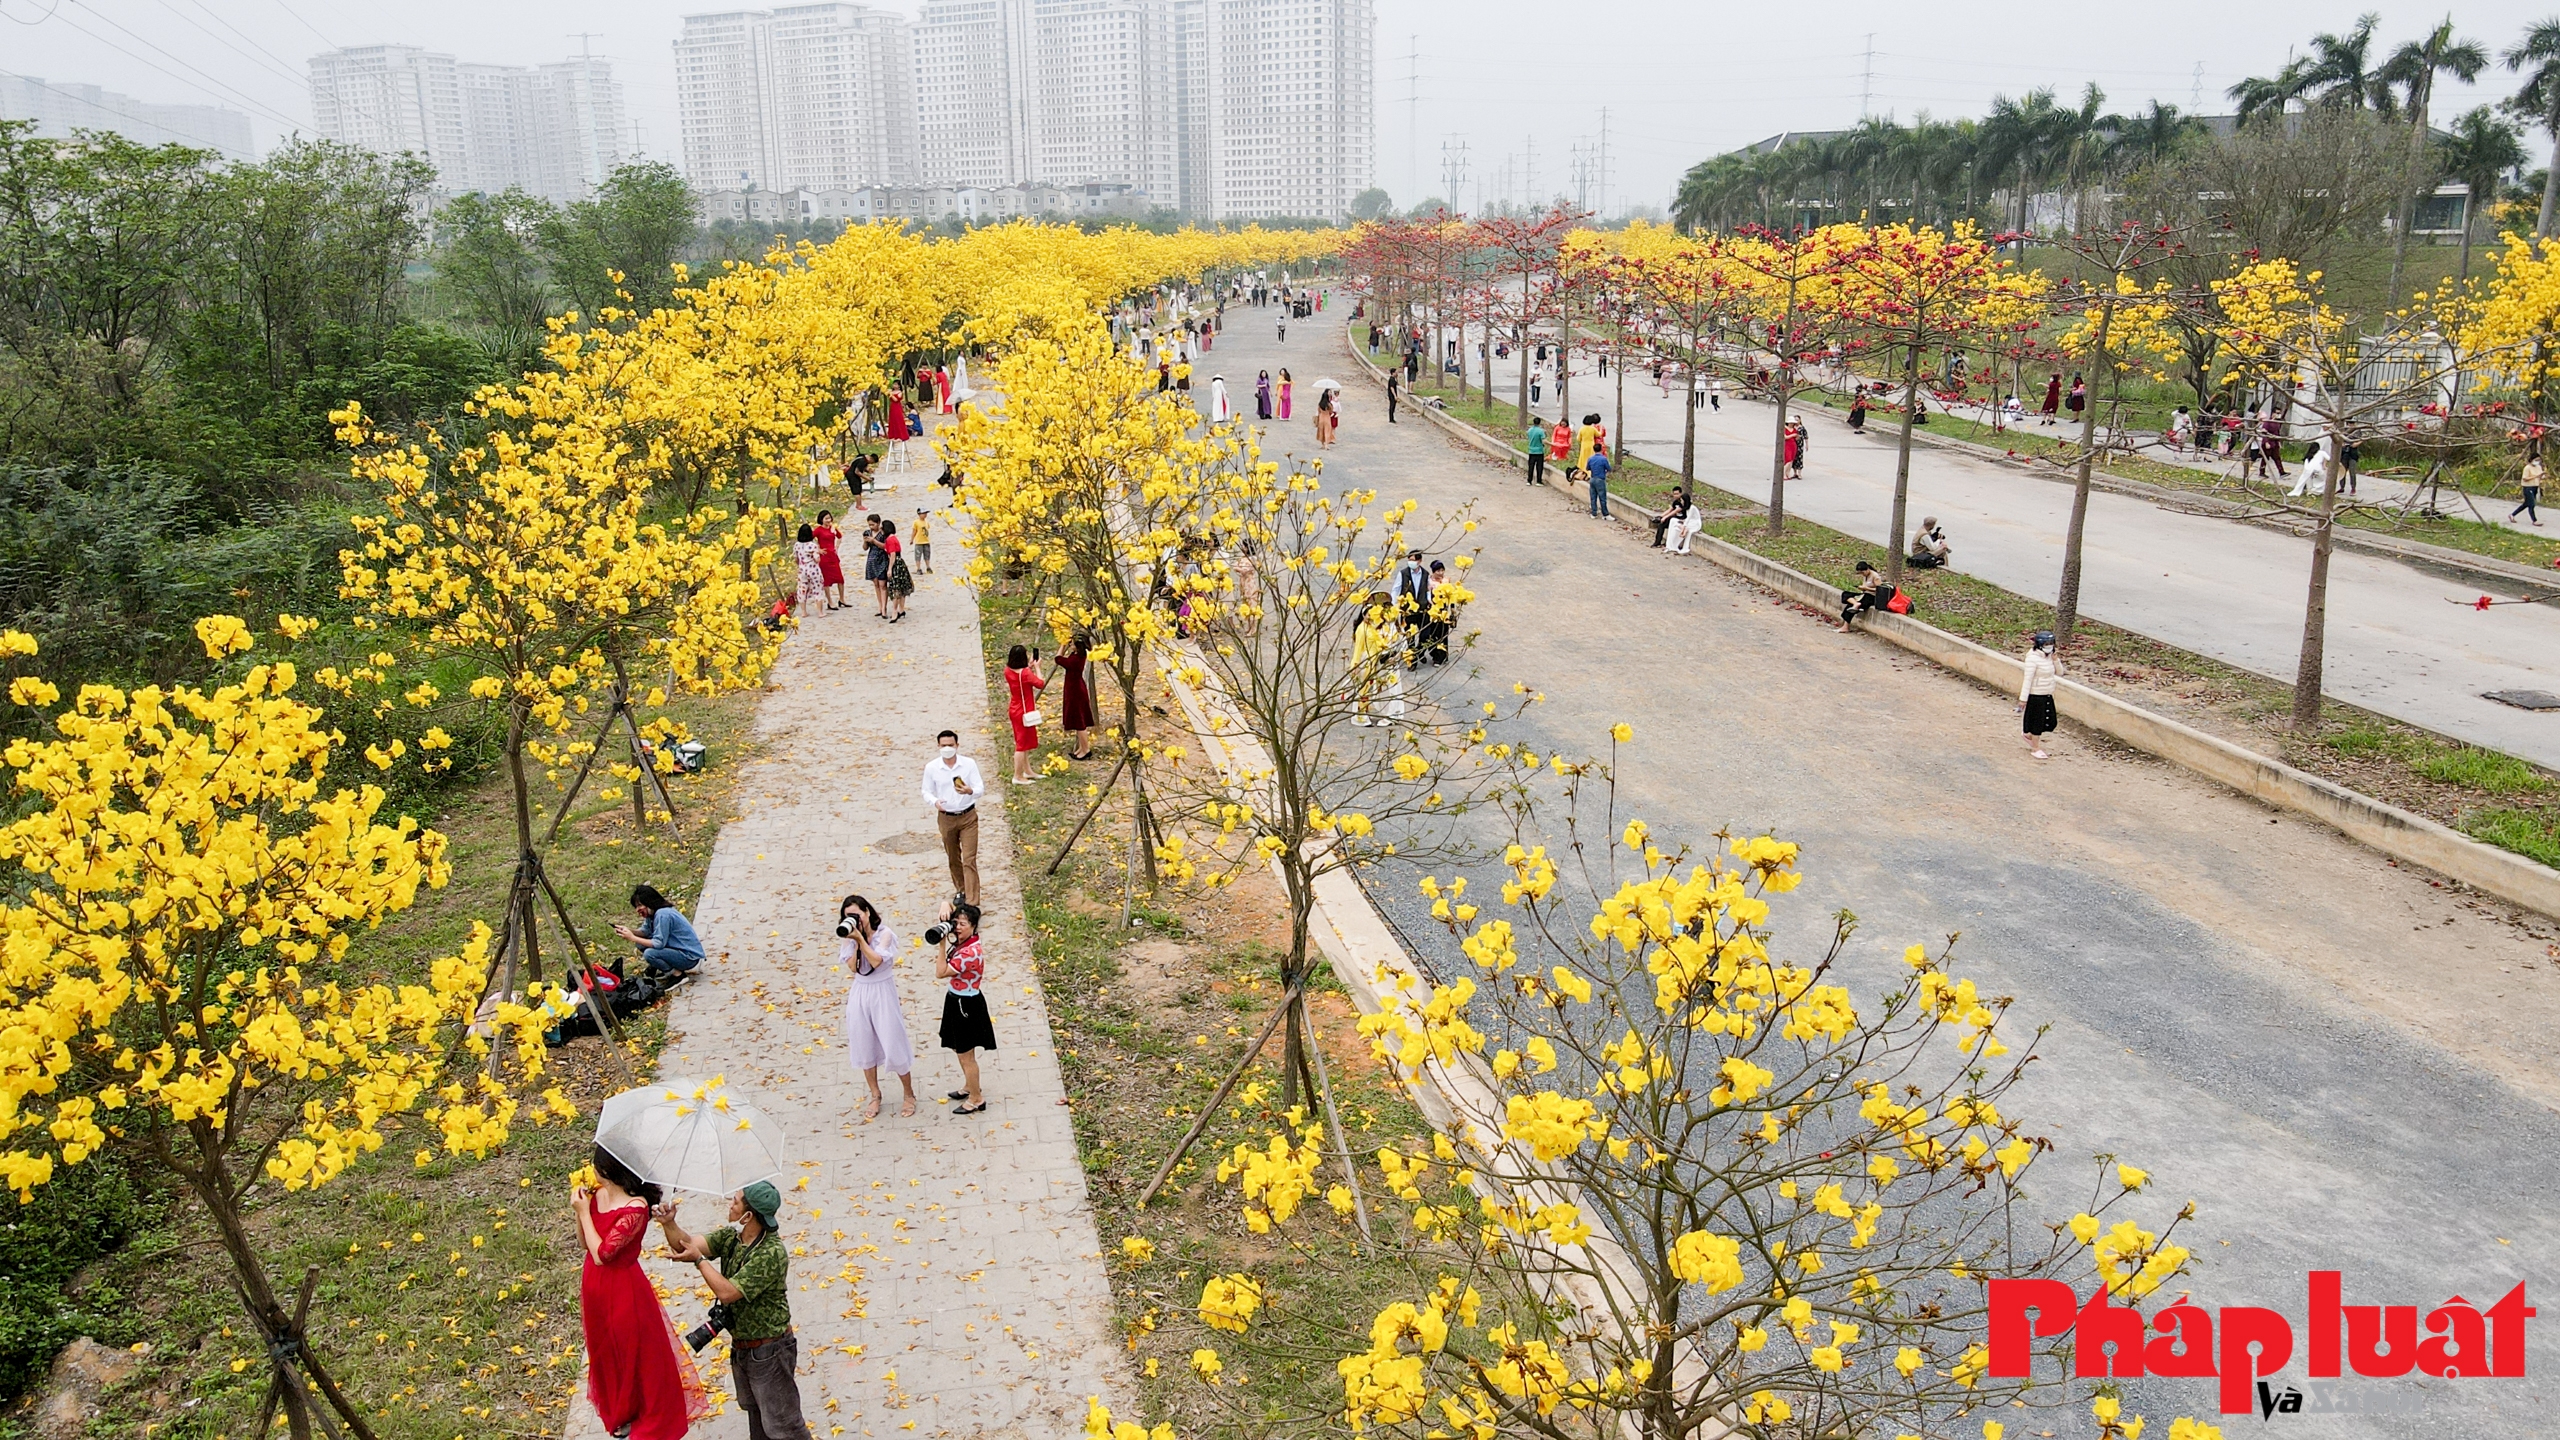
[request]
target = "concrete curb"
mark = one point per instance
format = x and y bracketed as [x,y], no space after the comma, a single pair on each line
[2387,828]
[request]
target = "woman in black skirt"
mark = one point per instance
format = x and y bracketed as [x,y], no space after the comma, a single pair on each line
[875,564]
[2035,691]
[966,1026]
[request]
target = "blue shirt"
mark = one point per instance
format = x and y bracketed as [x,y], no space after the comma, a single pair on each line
[1598,467]
[671,931]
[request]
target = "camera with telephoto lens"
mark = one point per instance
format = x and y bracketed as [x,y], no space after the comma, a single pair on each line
[936,934]
[712,1324]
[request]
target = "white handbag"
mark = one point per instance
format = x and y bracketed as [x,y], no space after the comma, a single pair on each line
[1031,719]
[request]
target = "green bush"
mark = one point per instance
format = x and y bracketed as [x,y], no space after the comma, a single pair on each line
[85,1213]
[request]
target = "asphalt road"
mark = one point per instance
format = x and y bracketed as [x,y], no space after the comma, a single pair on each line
[2210,585]
[2341,1062]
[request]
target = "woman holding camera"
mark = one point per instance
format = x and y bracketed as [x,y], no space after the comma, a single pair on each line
[875,1031]
[641,1382]
[967,1027]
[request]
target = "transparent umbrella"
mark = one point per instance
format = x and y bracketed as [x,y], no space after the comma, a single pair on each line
[692,1134]
[1327,383]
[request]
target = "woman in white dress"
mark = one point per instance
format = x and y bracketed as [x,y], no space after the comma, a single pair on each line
[875,1031]
[1219,413]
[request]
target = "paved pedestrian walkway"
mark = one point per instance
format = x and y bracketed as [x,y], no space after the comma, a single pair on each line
[2231,591]
[946,1279]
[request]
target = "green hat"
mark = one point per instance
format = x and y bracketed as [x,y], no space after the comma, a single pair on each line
[763,1199]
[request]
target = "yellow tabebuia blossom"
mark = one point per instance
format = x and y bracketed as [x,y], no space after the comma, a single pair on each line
[1228,1301]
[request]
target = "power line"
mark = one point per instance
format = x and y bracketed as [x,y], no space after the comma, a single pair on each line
[307,25]
[270,63]
[254,105]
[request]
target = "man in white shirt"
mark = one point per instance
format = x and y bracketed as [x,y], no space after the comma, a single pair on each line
[952,788]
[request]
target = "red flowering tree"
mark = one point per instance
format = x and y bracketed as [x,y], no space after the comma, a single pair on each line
[1523,279]
[1910,291]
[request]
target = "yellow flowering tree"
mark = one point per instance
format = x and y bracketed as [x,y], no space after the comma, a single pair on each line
[2121,322]
[1684,280]
[1086,481]
[1320,677]
[176,979]
[2406,375]
[1692,1182]
[533,553]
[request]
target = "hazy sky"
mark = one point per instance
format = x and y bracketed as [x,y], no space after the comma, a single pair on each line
[1680,81]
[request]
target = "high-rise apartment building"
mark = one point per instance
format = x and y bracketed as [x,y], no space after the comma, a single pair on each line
[966,130]
[1093,84]
[393,99]
[550,130]
[1291,106]
[1224,109]
[58,107]
[1190,24]
[818,97]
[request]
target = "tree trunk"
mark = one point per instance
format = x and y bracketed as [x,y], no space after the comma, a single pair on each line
[2315,608]
[1778,462]
[1894,548]
[2550,182]
[523,895]
[1522,397]
[2466,238]
[2409,182]
[1689,426]
[1564,368]
[1620,428]
[1301,895]
[2066,606]
[1784,380]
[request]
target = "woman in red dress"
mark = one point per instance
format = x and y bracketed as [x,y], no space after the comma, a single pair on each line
[1022,685]
[830,568]
[898,431]
[1078,716]
[640,1380]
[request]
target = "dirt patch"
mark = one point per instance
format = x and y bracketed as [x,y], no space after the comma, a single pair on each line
[1156,974]
[908,842]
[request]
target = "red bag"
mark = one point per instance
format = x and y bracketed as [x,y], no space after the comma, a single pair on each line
[1900,604]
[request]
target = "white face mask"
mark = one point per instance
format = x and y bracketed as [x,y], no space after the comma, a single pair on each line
[950,752]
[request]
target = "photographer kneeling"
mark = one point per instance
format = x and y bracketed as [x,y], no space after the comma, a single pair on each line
[752,1287]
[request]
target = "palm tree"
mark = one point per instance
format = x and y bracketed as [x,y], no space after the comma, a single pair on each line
[2075,139]
[2264,95]
[2413,69]
[2481,153]
[2017,141]
[2338,70]
[2137,141]
[2539,101]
